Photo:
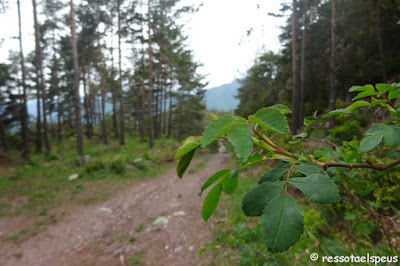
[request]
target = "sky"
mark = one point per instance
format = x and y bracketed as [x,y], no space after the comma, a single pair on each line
[217,34]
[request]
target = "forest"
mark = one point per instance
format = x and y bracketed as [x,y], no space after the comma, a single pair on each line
[306,168]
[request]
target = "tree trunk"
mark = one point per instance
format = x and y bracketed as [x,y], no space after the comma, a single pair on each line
[303,62]
[332,70]
[113,94]
[380,42]
[103,106]
[24,111]
[150,96]
[170,112]
[77,101]
[39,66]
[121,96]
[3,135]
[296,79]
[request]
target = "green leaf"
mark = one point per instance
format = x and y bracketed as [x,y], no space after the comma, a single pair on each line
[308,168]
[365,94]
[282,108]
[376,129]
[318,188]
[276,173]
[184,162]
[240,136]
[336,112]
[300,136]
[383,87]
[230,184]
[354,88]
[255,200]
[188,145]
[370,142]
[218,175]
[391,136]
[272,119]
[364,88]
[211,202]
[216,129]
[357,105]
[394,94]
[377,102]
[255,157]
[282,223]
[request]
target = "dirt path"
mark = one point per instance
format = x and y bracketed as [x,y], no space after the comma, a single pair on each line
[155,222]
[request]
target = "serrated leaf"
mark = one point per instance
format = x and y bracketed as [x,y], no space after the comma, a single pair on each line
[255,157]
[211,202]
[377,102]
[230,184]
[382,87]
[282,108]
[184,162]
[391,136]
[336,112]
[218,175]
[282,223]
[370,142]
[241,137]
[364,88]
[365,94]
[272,119]
[354,88]
[216,129]
[317,187]
[276,173]
[357,105]
[187,145]
[376,129]
[308,168]
[394,94]
[255,200]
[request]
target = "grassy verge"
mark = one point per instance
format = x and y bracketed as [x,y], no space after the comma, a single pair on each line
[36,189]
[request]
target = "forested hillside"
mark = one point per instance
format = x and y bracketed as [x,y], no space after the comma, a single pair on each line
[223,98]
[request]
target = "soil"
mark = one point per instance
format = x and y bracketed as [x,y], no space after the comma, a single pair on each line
[154,221]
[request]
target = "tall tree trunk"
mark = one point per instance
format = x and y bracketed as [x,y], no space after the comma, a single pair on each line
[332,70]
[24,110]
[39,136]
[103,106]
[150,96]
[380,42]
[303,62]
[170,112]
[113,93]
[3,135]
[39,66]
[296,75]
[121,91]
[77,101]
[85,99]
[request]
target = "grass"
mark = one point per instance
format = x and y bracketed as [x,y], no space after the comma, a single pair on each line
[136,258]
[140,228]
[198,167]
[37,188]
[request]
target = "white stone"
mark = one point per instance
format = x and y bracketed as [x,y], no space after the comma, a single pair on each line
[73,176]
[179,213]
[190,247]
[137,160]
[104,209]
[178,249]
[161,221]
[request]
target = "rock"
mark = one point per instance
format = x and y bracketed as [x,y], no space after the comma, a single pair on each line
[161,221]
[178,249]
[190,247]
[87,158]
[73,176]
[137,160]
[104,209]
[166,247]
[179,213]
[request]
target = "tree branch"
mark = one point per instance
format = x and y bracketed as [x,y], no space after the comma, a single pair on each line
[379,167]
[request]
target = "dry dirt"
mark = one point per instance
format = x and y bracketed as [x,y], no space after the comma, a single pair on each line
[154,222]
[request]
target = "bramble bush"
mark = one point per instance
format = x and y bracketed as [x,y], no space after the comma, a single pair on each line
[281,219]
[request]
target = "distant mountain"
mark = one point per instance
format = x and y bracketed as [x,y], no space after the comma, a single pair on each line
[223,97]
